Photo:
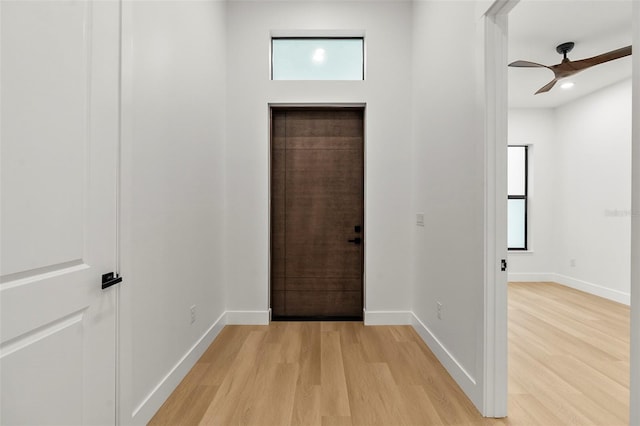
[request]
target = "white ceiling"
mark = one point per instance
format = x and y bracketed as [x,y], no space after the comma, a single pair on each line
[536,27]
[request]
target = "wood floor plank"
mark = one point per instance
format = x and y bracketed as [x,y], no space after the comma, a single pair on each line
[233,391]
[451,404]
[310,355]
[607,396]
[367,398]
[334,397]
[418,406]
[529,410]
[307,405]
[336,421]
[199,399]
[174,411]
[568,365]
[272,396]
[223,353]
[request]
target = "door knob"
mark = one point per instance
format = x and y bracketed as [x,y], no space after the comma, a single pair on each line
[355,241]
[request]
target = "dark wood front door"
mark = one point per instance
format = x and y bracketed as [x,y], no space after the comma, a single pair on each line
[317,210]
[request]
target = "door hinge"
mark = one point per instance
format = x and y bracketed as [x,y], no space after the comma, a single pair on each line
[110,279]
[503,264]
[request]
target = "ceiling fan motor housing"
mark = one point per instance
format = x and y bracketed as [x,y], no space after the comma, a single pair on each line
[565,48]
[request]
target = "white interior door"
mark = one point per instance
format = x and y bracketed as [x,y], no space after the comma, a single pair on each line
[59,140]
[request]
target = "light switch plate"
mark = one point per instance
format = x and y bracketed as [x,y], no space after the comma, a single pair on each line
[420,219]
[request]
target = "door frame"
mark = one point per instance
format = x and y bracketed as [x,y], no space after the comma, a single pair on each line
[634,391]
[495,372]
[337,105]
[495,355]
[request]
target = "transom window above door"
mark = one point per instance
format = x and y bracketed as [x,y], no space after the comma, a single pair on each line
[317,58]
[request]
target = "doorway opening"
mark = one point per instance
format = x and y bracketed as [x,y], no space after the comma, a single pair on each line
[496,101]
[565,330]
[317,213]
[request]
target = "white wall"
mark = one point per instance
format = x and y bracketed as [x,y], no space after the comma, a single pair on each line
[536,128]
[448,186]
[580,193]
[173,194]
[593,192]
[386,92]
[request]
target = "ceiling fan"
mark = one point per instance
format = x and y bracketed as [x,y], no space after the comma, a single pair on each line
[567,67]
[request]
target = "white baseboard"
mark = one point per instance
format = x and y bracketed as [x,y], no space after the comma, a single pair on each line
[387,317]
[150,405]
[247,317]
[530,277]
[587,287]
[465,380]
[591,288]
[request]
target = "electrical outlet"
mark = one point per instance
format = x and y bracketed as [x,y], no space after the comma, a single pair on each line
[439,310]
[420,219]
[572,263]
[193,314]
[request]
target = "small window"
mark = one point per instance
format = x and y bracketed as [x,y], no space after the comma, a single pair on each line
[317,58]
[517,198]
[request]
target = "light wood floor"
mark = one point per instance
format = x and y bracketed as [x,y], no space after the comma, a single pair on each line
[568,355]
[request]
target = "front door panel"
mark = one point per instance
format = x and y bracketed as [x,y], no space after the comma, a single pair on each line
[317,207]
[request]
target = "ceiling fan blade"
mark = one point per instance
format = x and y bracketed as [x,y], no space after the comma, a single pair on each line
[527,64]
[548,86]
[600,59]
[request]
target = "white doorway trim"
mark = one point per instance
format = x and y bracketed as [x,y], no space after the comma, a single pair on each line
[495,369]
[634,397]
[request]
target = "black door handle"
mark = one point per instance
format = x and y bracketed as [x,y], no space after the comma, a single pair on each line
[355,241]
[110,279]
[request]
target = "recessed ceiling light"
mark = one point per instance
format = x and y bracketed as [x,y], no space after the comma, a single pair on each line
[319,55]
[567,85]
